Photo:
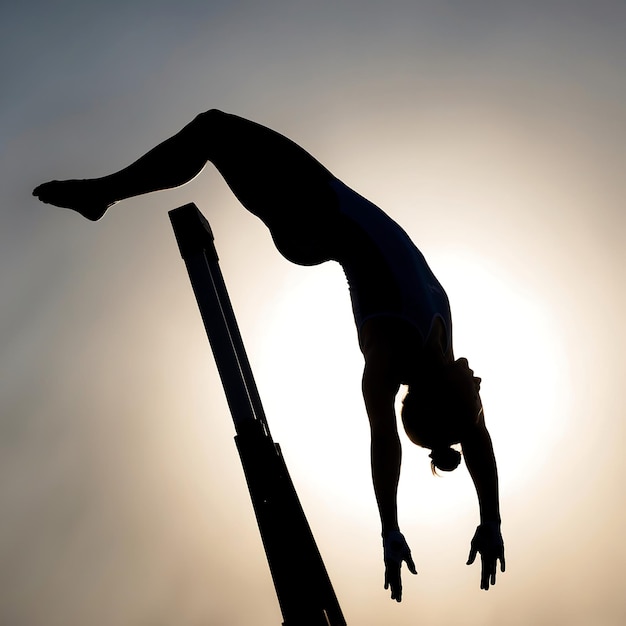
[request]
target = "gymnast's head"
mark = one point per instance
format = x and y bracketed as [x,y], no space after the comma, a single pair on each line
[440,409]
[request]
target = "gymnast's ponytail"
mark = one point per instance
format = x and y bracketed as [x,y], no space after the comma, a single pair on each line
[444,459]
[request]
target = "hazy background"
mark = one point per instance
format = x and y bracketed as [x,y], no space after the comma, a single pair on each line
[492,131]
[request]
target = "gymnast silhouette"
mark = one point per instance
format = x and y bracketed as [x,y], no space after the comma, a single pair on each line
[400,309]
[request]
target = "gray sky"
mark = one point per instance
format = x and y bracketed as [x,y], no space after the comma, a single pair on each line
[493,132]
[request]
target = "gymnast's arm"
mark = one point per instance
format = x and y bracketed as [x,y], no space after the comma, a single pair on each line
[379,392]
[481,463]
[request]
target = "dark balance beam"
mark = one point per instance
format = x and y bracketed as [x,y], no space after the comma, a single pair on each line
[305,593]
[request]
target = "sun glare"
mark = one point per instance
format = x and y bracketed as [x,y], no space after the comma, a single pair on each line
[309,373]
[308,368]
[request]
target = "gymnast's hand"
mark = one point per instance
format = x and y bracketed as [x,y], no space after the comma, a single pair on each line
[488,541]
[396,550]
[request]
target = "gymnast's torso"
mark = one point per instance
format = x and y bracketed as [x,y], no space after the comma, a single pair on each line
[387,275]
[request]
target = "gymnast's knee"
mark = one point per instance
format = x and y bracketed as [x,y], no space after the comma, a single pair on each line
[208,119]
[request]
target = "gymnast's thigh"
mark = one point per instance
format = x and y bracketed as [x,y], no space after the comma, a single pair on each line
[272,176]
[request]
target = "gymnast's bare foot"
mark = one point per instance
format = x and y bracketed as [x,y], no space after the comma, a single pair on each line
[83,196]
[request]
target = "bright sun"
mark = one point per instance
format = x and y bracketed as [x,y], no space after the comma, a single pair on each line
[309,369]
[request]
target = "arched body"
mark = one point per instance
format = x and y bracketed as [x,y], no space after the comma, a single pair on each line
[401,310]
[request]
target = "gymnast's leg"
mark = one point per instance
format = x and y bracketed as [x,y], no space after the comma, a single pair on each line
[271,176]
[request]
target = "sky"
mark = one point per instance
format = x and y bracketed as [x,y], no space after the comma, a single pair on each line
[493,132]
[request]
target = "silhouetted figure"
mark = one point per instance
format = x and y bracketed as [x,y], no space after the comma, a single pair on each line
[401,311]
